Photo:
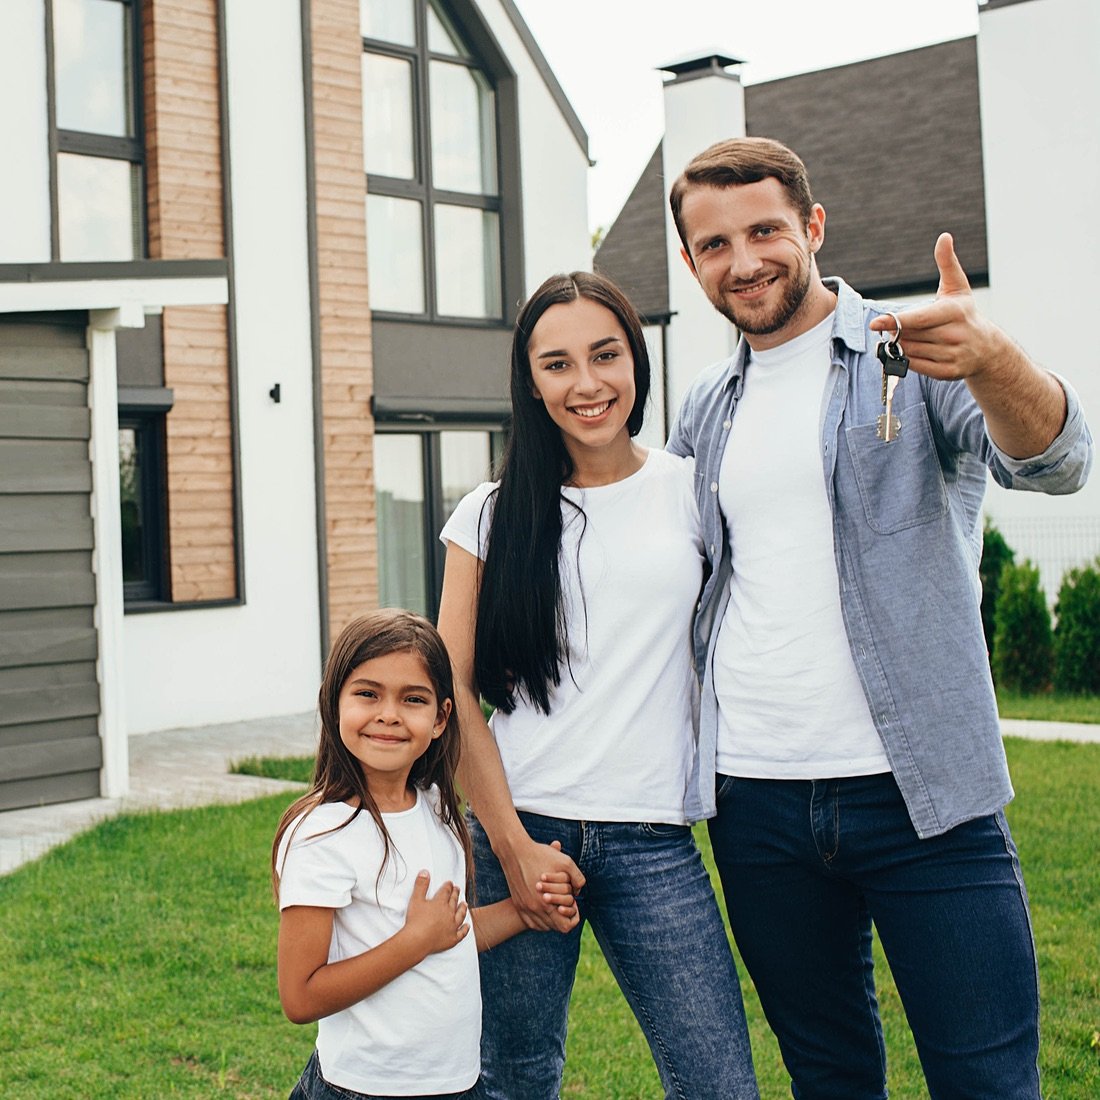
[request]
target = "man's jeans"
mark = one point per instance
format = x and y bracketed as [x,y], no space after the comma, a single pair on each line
[653,912]
[807,865]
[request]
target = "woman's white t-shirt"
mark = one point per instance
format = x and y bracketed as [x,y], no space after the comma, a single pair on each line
[421,1033]
[619,743]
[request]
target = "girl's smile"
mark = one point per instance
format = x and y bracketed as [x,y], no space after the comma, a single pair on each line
[389,715]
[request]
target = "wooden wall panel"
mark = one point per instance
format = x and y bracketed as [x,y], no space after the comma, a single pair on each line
[345,322]
[186,221]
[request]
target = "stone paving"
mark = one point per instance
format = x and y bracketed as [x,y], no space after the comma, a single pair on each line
[189,767]
[168,770]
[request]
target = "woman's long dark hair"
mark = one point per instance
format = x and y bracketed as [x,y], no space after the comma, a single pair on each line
[520,642]
[337,775]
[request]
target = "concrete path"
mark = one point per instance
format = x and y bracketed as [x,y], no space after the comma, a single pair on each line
[189,767]
[168,770]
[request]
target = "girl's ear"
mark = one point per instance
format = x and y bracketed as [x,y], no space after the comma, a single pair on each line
[442,718]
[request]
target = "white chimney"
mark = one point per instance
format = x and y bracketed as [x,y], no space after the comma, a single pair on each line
[704,103]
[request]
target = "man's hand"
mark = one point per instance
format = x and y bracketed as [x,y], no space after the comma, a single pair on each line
[1024,407]
[949,338]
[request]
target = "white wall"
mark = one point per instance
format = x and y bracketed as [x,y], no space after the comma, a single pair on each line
[698,112]
[554,168]
[24,128]
[1040,100]
[191,667]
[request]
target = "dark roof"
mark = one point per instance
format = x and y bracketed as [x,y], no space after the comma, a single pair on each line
[894,154]
[633,251]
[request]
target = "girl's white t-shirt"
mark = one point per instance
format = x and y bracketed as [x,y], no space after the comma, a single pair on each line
[619,743]
[421,1033]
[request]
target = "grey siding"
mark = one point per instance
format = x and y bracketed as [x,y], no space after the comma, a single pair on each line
[50,749]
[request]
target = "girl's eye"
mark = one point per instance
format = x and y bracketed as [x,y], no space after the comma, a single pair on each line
[606,356]
[415,699]
[558,364]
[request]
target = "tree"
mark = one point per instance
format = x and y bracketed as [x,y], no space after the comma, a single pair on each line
[996,554]
[1022,642]
[1077,635]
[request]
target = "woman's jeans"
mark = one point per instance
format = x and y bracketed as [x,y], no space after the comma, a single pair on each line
[312,1086]
[654,915]
[806,867]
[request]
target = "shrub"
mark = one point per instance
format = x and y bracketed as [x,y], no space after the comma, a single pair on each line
[996,554]
[1077,635]
[1022,643]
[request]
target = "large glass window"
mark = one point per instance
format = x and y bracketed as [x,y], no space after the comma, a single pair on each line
[430,151]
[420,477]
[98,184]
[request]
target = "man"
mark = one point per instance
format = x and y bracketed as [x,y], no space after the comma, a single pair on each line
[846,692]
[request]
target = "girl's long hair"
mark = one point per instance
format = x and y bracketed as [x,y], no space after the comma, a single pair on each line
[520,642]
[338,775]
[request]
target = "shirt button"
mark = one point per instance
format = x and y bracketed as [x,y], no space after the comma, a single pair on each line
[714,486]
[726,424]
[712,548]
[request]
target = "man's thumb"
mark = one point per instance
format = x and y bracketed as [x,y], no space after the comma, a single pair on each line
[953,278]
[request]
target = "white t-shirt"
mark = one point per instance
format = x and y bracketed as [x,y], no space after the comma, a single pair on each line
[619,742]
[790,702]
[421,1033]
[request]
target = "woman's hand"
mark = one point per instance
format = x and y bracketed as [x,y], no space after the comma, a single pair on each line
[526,865]
[436,923]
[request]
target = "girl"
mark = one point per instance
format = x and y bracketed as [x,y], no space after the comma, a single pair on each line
[567,602]
[386,969]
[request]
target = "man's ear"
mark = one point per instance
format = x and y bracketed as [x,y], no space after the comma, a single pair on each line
[687,259]
[815,227]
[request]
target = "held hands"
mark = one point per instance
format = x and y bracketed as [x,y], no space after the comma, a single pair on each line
[543,882]
[439,922]
[949,339]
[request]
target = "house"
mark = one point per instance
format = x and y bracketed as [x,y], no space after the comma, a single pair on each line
[258,270]
[992,138]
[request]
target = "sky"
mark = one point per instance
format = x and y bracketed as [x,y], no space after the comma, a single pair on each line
[605,54]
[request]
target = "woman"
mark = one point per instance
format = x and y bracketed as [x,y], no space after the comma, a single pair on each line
[567,603]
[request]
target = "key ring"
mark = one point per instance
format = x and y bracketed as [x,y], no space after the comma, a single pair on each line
[893,341]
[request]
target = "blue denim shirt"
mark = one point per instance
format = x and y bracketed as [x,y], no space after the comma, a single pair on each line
[907,540]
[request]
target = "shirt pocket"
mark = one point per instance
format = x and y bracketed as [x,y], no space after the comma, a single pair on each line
[900,483]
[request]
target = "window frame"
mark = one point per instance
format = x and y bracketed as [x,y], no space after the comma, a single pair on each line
[105,146]
[148,425]
[434,515]
[421,187]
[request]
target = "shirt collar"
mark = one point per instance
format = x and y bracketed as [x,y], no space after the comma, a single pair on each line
[848,328]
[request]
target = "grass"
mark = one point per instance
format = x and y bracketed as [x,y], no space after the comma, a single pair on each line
[137,961]
[1049,708]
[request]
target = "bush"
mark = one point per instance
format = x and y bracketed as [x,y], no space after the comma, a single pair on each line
[995,556]
[1022,642]
[1077,635]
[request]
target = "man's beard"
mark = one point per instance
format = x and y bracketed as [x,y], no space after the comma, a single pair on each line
[758,324]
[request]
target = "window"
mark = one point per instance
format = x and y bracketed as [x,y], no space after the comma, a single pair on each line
[420,476]
[141,488]
[430,155]
[95,132]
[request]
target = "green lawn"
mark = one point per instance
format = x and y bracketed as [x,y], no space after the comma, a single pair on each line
[137,961]
[1049,708]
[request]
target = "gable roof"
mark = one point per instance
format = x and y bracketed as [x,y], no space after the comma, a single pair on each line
[893,150]
[547,74]
[633,251]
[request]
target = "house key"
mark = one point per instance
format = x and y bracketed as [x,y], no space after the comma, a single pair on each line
[895,366]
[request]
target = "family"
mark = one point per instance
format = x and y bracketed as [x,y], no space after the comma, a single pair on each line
[771,625]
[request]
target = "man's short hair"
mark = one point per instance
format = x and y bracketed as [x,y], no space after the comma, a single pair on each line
[738,161]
